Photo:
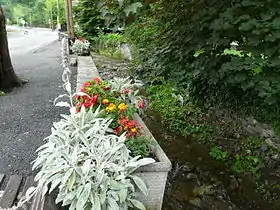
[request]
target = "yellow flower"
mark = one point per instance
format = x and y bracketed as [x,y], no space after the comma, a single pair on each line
[122,107]
[111,107]
[105,101]
[134,130]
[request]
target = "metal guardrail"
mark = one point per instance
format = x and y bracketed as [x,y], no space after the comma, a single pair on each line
[61,35]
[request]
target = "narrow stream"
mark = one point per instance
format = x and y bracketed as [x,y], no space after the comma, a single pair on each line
[196,180]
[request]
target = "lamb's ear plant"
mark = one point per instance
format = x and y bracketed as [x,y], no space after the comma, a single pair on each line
[81,47]
[90,167]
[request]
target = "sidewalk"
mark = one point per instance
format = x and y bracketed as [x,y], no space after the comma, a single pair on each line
[27,114]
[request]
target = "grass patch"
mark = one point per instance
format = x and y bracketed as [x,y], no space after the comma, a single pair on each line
[2,93]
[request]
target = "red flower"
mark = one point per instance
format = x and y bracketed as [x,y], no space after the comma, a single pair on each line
[141,104]
[130,126]
[97,80]
[78,107]
[82,39]
[118,130]
[87,104]
[107,88]
[86,98]
[85,85]
[93,99]
[127,91]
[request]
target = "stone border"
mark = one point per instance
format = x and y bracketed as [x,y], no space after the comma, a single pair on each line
[86,71]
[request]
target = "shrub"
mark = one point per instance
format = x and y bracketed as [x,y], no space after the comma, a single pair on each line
[81,47]
[109,44]
[88,18]
[194,48]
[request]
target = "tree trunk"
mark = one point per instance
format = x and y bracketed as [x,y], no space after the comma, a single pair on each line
[8,78]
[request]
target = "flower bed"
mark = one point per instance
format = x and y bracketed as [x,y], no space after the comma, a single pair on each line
[120,101]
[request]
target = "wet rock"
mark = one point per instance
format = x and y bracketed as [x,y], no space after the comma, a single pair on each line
[260,167]
[273,143]
[191,176]
[275,157]
[234,183]
[186,168]
[202,190]
[196,202]
[263,148]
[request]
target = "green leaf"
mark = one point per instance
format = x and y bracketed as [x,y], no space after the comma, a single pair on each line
[97,205]
[140,184]
[198,53]
[137,204]
[123,195]
[86,167]
[71,180]
[257,70]
[132,8]
[113,204]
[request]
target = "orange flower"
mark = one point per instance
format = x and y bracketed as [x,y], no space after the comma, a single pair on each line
[105,101]
[133,130]
[122,107]
[111,107]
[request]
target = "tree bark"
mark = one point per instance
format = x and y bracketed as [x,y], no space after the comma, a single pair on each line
[8,78]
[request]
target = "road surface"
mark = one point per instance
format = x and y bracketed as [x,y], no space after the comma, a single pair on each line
[20,43]
[27,113]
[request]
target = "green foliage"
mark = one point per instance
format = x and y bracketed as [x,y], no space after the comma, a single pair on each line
[2,93]
[139,146]
[218,154]
[177,110]
[242,164]
[118,13]
[237,163]
[193,47]
[35,12]
[87,17]
[109,44]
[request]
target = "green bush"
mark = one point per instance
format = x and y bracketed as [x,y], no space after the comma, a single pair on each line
[193,47]
[177,110]
[108,44]
[88,18]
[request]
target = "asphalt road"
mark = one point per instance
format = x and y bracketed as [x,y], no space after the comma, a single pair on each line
[20,43]
[27,113]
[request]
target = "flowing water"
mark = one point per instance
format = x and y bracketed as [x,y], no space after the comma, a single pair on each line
[196,180]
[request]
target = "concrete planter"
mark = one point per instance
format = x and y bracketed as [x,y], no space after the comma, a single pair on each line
[155,175]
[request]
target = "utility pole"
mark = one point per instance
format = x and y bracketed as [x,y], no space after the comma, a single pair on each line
[58,19]
[51,19]
[69,19]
